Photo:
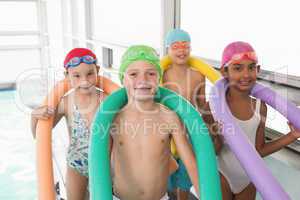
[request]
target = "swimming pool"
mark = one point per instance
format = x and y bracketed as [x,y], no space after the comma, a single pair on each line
[17,161]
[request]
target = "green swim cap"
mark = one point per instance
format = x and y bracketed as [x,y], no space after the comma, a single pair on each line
[139,53]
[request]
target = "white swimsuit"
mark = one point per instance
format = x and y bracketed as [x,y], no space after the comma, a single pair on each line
[229,166]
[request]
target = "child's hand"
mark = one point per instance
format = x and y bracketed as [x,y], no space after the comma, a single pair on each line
[43,112]
[215,128]
[294,132]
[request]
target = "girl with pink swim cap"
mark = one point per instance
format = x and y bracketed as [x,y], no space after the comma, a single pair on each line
[239,66]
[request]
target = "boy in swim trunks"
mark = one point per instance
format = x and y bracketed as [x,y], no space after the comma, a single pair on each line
[141,132]
[190,84]
[78,107]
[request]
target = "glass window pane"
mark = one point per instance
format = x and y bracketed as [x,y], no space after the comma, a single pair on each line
[98,51]
[276,121]
[126,23]
[19,40]
[81,20]
[117,54]
[16,16]
[15,63]
[272,30]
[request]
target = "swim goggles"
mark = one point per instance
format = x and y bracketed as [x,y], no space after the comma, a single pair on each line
[73,62]
[236,58]
[180,45]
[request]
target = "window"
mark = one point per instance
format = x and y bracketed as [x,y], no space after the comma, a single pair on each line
[19,38]
[271,27]
[124,23]
[26,13]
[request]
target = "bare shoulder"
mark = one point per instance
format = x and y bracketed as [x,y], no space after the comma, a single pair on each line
[196,73]
[172,120]
[120,115]
[168,73]
[168,115]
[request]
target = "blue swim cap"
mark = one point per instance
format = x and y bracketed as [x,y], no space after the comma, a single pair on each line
[176,35]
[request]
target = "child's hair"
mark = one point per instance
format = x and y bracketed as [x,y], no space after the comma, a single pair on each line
[236,51]
[80,53]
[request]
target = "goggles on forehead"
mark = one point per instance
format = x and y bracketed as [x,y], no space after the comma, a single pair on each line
[73,62]
[242,56]
[141,55]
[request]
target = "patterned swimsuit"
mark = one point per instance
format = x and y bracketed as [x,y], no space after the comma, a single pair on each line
[77,157]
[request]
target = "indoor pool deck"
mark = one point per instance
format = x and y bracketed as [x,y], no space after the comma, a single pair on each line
[17,161]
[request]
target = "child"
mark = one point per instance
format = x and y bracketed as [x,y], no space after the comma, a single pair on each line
[239,67]
[142,130]
[181,78]
[78,107]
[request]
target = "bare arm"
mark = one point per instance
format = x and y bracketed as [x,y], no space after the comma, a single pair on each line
[43,113]
[266,148]
[40,113]
[185,152]
[110,146]
[218,143]
[200,99]
[33,125]
[213,127]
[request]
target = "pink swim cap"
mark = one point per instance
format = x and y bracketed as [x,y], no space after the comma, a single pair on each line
[238,51]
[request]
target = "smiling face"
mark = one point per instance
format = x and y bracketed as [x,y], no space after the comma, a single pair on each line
[141,80]
[179,52]
[241,75]
[83,77]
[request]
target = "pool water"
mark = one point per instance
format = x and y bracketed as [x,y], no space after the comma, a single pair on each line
[17,160]
[17,150]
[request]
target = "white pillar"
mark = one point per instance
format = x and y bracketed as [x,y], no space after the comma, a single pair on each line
[74,20]
[43,33]
[170,17]
[89,22]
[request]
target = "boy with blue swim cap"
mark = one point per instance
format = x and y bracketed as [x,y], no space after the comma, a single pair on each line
[190,85]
